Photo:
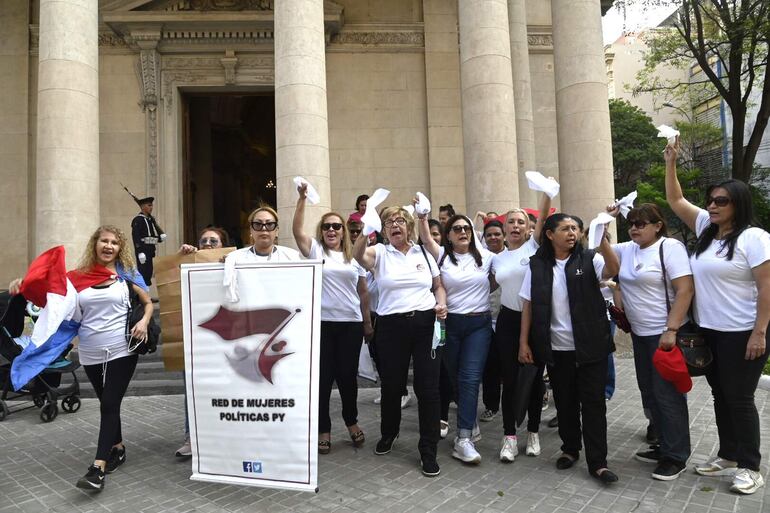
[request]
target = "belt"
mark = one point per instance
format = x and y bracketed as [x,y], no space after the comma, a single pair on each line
[472,314]
[407,314]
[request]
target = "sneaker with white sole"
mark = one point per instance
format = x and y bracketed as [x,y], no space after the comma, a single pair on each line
[444,430]
[465,451]
[406,400]
[533,444]
[667,470]
[186,450]
[93,480]
[747,481]
[717,467]
[509,449]
[476,433]
[487,415]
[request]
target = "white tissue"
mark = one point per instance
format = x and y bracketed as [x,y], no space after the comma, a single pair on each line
[596,230]
[626,203]
[668,132]
[423,204]
[312,195]
[371,219]
[538,182]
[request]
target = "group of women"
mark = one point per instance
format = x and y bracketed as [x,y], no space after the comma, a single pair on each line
[551,314]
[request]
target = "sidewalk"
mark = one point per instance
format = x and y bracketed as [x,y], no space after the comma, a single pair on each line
[39,464]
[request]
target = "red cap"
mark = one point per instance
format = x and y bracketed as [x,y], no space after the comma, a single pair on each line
[672,367]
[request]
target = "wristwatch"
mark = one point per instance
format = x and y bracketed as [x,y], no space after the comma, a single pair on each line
[665,329]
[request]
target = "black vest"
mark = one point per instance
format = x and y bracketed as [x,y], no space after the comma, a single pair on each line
[590,326]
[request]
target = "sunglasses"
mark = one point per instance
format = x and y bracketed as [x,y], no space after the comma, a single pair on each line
[639,224]
[268,226]
[213,241]
[720,201]
[400,221]
[459,228]
[331,226]
[354,231]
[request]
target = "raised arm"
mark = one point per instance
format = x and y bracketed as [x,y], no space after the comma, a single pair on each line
[683,209]
[611,262]
[304,241]
[542,215]
[364,255]
[427,240]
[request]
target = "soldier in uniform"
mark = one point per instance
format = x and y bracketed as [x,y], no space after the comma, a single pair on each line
[146,235]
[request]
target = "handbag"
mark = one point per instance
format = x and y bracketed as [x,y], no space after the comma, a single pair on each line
[134,315]
[618,315]
[697,353]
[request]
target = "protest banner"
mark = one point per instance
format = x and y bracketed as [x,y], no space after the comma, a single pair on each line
[252,373]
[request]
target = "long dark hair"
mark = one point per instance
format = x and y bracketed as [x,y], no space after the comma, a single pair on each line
[449,250]
[740,197]
[546,251]
[651,213]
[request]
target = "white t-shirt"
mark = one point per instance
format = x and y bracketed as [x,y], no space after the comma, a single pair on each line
[561,320]
[725,291]
[509,268]
[102,331]
[339,292]
[641,282]
[466,284]
[279,254]
[404,281]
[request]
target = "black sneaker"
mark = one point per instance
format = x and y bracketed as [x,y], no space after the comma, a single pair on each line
[93,480]
[116,458]
[652,434]
[429,466]
[668,470]
[650,456]
[385,445]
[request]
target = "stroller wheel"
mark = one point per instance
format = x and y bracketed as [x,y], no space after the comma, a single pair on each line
[70,404]
[39,400]
[4,411]
[49,412]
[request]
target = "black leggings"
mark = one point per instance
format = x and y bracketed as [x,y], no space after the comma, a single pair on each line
[340,348]
[110,391]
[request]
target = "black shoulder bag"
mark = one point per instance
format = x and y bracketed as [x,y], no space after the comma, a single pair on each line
[135,314]
[697,354]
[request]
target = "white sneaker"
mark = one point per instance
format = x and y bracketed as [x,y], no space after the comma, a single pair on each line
[746,481]
[406,400]
[509,450]
[533,444]
[185,451]
[377,400]
[476,433]
[717,467]
[465,451]
[444,429]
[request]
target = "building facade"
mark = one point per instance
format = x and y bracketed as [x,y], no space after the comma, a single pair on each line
[212,106]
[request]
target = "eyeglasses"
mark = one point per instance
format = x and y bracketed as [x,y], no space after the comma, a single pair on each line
[458,228]
[720,201]
[399,221]
[268,226]
[639,224]
[212,241]
[331,226]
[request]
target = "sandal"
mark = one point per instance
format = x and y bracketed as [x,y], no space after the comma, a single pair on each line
[358,438]
[324,446]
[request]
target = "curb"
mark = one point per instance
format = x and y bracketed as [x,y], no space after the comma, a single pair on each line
[764,382]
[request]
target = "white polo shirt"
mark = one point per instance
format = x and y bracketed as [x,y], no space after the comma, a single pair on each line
[339,292]
[404,280]
[466,284]
[725,290]
[509,268]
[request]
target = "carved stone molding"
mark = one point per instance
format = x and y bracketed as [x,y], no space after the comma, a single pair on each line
[367,38]
[221,5]
[540,39]
[107,40]
[229,63]
[149,72]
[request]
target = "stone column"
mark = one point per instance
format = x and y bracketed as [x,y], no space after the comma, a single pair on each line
[67,126]
[301,124]
[489,127]
[582,111]
[522,99]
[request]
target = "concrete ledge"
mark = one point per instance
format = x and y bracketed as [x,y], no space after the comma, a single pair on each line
[764,382]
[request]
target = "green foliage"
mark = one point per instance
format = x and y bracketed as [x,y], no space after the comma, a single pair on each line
[761,206]
[635,145]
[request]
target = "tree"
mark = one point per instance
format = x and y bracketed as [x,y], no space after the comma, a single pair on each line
[635,145]
[729,41]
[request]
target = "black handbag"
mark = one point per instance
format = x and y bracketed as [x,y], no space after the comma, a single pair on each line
[135,314]
[697,354]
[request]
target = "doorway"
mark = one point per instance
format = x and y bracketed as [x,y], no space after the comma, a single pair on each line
[229,161]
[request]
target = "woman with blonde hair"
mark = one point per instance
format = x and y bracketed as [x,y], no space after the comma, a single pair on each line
[344,317]
[410,297]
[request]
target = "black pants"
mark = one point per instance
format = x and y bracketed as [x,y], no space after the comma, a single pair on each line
[110,390]
[340,347]
[399,339]
[145,270]
[490,384]
[580,389]
[733,381]
[507,342]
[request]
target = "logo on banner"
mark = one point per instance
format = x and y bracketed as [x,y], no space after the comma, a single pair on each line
[252,467]
[252,361]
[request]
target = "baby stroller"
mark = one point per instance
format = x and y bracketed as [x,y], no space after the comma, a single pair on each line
[45,388]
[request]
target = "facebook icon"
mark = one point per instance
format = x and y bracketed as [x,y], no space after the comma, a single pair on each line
[252,467]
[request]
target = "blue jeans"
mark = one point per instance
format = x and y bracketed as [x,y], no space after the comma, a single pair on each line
[667,406]
[467,344]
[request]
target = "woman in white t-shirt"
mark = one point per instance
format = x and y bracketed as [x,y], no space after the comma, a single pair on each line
[565,311]
[731,269]
[344,317]
[509,268]
[411,296]
[465,274]
[654,324]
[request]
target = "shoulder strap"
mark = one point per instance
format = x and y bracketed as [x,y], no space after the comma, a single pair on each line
[665,278]
[422,248]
